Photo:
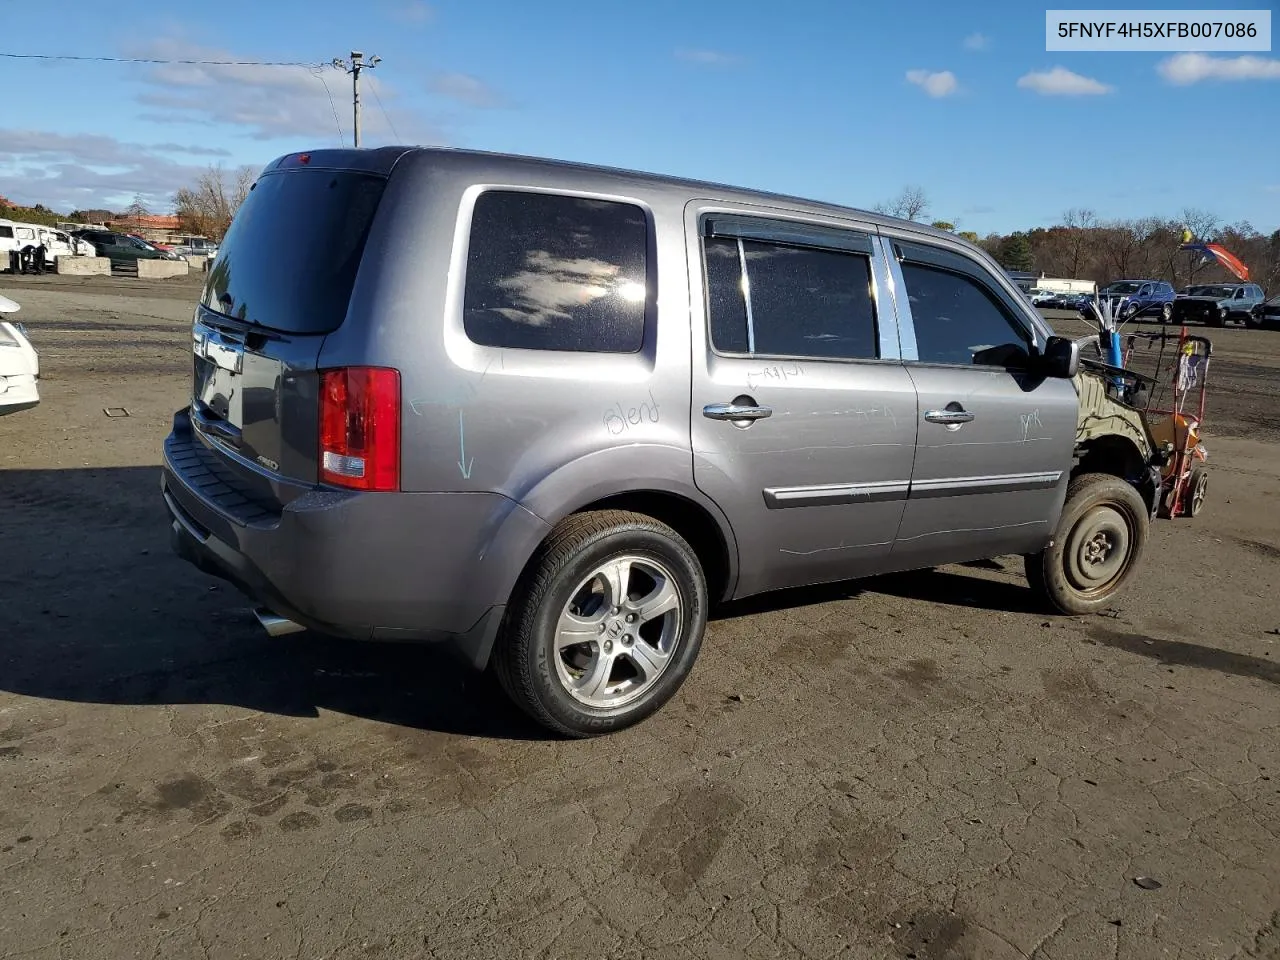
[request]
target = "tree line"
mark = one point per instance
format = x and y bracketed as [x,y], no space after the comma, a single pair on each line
[1083,246]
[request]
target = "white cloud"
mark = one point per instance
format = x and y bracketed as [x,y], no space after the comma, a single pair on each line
[414,11]
[941,84]
[977,41]
[709,58]
[467,89]
[270,103]
[1061,82]
[70,171]
[1187,68]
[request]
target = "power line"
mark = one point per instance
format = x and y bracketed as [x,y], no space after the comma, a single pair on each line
[210,63]
[386,116]
[318,73]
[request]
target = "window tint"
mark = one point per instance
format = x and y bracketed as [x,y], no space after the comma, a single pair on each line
[6,232]
[804,302]
[290,259]
[957,320]
[548,272]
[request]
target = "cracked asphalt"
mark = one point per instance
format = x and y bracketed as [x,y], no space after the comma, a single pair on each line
[920,766]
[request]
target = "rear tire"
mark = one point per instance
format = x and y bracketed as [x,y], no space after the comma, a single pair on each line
[605,625]
[1099,542]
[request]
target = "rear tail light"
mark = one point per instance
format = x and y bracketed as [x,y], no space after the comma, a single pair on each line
[360,428]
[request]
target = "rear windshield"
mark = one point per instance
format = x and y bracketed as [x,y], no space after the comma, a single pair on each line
[289,260]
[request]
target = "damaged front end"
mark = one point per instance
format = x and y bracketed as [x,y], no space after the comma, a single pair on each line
[1112,432]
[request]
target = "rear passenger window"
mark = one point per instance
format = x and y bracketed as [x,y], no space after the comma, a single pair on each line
[957,320]
[6,232]
[548,272]
[782,300]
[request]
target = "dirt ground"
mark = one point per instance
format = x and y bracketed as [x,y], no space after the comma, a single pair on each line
[920,766]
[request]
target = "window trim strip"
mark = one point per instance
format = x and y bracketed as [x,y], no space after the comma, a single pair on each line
[745,284]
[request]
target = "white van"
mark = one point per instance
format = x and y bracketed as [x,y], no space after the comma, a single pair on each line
[14,235]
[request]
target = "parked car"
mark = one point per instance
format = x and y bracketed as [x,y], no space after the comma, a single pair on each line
[195,246]
[452,396]
[19,364]
[1133,299]
[121,247]
[1268,314]
[165,251]
[1215,304]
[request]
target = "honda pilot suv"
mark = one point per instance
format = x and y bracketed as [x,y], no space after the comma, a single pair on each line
[549,414]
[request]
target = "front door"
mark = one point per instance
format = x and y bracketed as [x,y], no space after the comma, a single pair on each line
[995,445]
[803,417]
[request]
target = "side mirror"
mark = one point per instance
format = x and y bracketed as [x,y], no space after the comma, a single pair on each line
[1060,359]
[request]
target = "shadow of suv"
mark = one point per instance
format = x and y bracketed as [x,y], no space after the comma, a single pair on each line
[547,414]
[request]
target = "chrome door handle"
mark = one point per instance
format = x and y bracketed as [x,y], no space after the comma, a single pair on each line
[948,416]
[734,411]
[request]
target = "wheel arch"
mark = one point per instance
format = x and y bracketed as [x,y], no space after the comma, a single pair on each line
[1119,456]
[653,480]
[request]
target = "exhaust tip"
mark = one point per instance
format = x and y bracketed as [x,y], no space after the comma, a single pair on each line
[276,626]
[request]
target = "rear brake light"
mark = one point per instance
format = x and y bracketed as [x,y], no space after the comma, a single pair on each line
[360,428]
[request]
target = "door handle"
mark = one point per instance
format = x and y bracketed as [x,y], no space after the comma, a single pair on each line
[949,417]
[736,411]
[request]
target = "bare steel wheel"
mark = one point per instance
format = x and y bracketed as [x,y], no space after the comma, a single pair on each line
[1097,551]
[617,633]
[1099,541]
[605,624]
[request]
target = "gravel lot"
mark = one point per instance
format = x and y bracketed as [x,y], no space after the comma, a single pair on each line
[916,766]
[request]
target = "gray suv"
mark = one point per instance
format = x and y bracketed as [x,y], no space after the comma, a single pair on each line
[549,414]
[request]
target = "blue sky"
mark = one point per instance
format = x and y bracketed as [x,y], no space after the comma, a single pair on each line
[846,102]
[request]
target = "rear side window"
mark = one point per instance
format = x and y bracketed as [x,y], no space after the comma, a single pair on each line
[289,260]
[958,321]
[6,232]
[550,272]
[792,301]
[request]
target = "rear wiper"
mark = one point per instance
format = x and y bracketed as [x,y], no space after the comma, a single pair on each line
[222,321]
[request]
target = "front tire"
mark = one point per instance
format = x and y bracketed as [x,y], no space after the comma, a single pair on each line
[605,625]
[1166,313]
[1217,319]
[1098,544]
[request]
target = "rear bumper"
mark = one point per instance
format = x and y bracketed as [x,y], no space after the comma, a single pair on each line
[424,567]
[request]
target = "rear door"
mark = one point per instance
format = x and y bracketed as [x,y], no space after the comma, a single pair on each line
[803,417]
[283,283]
[995,442]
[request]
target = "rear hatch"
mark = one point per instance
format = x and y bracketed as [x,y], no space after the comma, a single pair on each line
[282,282]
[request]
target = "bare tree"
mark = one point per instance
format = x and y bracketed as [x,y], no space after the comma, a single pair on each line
[137,210]
[911,204]
[207,207]
[1082,226]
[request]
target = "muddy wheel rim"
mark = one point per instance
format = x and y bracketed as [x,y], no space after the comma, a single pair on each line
[1099,549]
[619,632]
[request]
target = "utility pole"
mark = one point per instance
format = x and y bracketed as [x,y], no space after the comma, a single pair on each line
[353,66]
